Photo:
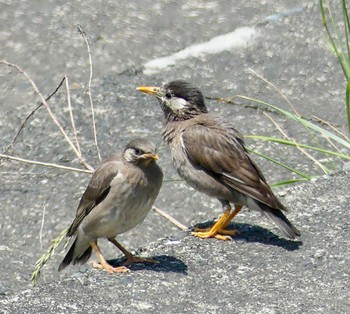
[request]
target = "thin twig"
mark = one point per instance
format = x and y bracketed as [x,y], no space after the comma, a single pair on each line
[170,218]
[42,226]
[46,164]
[72,116]
[30,115]
[81,31]
[336,130]
[52,115]
[14,173]
[276,89]
[230,101]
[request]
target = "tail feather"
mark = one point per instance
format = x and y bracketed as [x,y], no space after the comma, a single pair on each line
[282,222]
[74,256]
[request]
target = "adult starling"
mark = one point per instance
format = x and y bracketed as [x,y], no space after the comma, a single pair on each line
[120,193]
[211,157]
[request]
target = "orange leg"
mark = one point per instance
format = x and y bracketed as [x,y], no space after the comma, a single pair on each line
[218,230]
[104,264]
[232,215]
[129,257]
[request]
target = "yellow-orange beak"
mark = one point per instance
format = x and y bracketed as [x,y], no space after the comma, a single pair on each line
[151,156]
[152,90]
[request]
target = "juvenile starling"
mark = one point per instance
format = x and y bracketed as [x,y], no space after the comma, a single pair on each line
[211,157]
[120,193]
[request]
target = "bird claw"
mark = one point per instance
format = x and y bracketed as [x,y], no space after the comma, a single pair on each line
[222,234]
[110,269]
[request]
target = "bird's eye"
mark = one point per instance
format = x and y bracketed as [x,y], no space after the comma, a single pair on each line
[168,95]
[138,151]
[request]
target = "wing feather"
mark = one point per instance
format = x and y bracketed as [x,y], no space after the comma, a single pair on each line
[96,191]
[221,153]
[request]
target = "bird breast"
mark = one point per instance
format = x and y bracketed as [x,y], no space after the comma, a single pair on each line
[126,206]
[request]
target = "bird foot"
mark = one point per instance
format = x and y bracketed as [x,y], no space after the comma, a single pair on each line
[221,234]
[136,259]
[110,269]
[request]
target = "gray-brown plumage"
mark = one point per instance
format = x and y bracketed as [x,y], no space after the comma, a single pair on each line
[120,193]
[210,156]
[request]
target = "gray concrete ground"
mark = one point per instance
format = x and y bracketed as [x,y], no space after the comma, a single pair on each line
[256,272]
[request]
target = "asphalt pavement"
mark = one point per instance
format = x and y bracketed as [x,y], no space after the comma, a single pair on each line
[223,48]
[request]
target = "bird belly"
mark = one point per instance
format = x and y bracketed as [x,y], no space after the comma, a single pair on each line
[119,218]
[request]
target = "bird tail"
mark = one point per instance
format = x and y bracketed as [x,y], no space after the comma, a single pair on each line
[79,252]
[282,222]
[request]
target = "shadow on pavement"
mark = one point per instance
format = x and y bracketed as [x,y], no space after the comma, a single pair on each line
[166,264]
[253,233]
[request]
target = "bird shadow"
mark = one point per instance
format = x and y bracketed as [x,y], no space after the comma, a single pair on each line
[252,233]
[164,263]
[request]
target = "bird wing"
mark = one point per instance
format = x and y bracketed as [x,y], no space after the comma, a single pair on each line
[96,192]
[221,153]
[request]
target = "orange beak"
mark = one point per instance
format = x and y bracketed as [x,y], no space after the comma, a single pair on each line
[151,90]
[151,156]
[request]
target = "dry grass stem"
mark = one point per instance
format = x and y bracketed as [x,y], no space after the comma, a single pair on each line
[89,91]
[324,169]
[276,89]
[44,258]
[10,173]
[52,115]
[72,116]
[229,100]
[42,226]
[45,164]
[336,130]
[30,115]
[170,218]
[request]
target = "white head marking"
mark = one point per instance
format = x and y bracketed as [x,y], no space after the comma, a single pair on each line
[175,104]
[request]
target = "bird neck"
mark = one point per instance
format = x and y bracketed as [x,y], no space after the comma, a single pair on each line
[171,129]
[145,163]
[187,113]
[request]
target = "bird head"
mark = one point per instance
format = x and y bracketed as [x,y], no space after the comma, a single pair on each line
[179,100]
[140,151]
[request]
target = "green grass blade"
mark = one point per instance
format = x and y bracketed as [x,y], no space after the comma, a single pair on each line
[331,38]
[325,133]
[300,173]
[347,103]
[288,182]
[295,144]
[346,29]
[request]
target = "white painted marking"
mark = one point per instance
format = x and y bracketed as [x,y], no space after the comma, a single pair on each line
[238,38]
[277,17]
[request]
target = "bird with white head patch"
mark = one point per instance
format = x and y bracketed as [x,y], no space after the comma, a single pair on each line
[210,155]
